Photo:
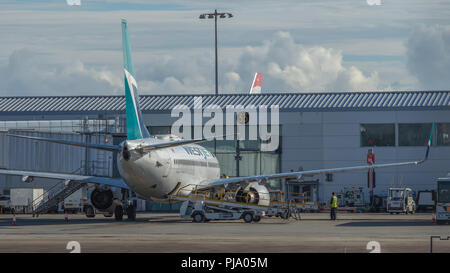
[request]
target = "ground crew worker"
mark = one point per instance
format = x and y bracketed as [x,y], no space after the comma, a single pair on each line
[334,205]
[370,157]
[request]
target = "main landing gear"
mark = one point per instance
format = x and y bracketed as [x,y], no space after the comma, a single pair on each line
[127,206]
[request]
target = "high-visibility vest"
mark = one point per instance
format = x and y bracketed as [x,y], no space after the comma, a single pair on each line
[334,203]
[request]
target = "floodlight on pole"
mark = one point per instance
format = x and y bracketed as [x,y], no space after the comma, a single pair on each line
[211,16]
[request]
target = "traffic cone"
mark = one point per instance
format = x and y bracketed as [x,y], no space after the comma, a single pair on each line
[14,220]
[433,218]
[66,217]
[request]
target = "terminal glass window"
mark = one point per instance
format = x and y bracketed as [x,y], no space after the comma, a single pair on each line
[444,192]
[159,130]
[377,135]
[252,161]
[443,133]
[413,134]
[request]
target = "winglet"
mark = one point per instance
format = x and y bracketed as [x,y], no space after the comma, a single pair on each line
[429,142]
[428,147]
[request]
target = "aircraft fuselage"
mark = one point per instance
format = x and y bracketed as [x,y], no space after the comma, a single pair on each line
[155,174]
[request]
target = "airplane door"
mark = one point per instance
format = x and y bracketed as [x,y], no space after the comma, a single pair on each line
[168,161]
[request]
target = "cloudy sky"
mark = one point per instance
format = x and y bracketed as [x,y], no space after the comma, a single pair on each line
[51,48]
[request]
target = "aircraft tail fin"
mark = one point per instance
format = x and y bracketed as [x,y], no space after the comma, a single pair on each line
[256,85]
[135,126]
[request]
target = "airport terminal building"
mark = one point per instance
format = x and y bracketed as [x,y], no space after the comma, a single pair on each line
[317,130]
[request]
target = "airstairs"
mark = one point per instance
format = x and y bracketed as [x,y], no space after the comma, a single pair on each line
[55,195]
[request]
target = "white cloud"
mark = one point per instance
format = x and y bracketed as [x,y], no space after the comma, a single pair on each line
[286,65]
[428,56]
[28,73]
[295,68]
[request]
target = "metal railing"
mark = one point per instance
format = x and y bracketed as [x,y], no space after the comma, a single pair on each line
[51,192]
[90,125]
[47,195]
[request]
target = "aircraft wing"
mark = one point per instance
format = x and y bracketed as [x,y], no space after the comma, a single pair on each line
[162,145]
[111,148]
[113,182]
[114,148]
[117,148]
[300,174]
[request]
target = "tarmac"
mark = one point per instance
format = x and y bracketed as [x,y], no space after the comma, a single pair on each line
[168,233]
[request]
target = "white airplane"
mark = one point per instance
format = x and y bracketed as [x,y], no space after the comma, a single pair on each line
[156,167]
[256,84]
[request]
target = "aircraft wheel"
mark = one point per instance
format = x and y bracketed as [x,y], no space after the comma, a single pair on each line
[131,212]
[248,217]
[198,217]
[90,212]
[118,213]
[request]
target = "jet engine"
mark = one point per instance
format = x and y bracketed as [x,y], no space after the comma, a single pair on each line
[102,199]
[254,193]
[126,153]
